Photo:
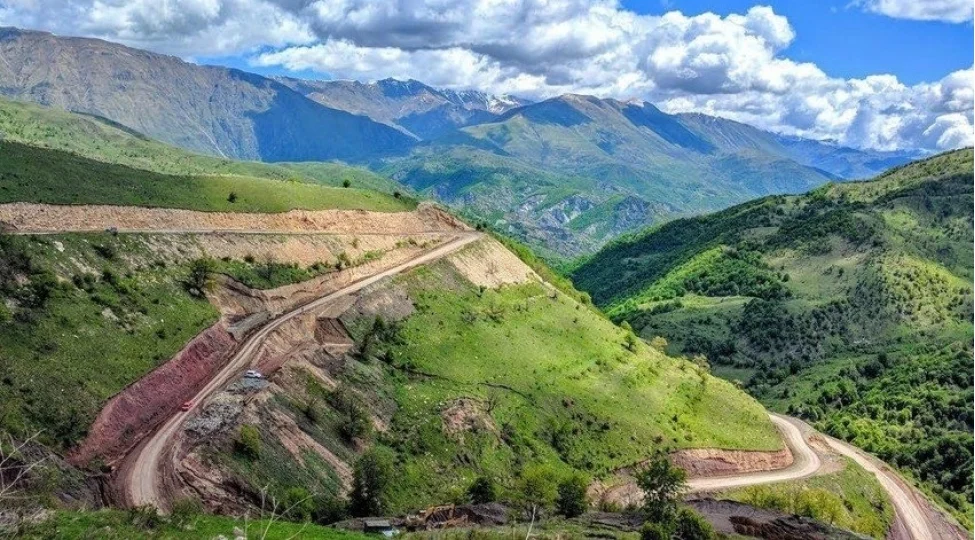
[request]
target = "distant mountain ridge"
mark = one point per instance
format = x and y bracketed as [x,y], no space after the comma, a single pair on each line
[420,110]
[210,109]
[570,173]
[566,174]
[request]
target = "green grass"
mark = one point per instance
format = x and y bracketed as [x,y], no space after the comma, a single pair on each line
[874,328]
[119,525]
[32,174]
[850,498]
[556,373]
[106,141]
[60,362]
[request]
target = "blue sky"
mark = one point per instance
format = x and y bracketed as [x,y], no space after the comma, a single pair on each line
[849,42]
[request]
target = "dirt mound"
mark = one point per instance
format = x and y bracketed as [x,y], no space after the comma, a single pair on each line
[706,462]
[29,217]
[135,411]
[487,263]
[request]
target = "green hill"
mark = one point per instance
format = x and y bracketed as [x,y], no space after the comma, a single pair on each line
[850,306]
[65,158]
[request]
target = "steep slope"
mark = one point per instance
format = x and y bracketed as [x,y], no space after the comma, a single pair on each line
[75,145]
[850,306]
[418,109]
[213,110]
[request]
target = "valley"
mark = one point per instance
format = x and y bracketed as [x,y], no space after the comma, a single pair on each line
[241,305]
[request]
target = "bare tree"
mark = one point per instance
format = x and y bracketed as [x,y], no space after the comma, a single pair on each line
[15,467]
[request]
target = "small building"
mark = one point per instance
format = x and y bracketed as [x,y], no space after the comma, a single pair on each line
[378,526]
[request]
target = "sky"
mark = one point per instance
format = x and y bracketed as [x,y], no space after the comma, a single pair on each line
[880,74]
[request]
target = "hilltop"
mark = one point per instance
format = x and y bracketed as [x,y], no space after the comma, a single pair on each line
[850,306]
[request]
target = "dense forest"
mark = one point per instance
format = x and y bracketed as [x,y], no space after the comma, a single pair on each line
[850,306]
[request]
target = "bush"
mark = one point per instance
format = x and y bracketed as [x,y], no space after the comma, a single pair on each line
[297,504]
[200,278]
[248,442]
[692,526]
[537,486]
[232,198]
[185,510]
[572,500]
[654,531]
[346,183]
[482,491]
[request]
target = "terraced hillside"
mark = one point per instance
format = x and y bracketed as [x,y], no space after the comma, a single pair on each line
[850,306]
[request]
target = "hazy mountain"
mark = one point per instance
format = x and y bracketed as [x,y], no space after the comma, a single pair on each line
[419,109]
[215,110]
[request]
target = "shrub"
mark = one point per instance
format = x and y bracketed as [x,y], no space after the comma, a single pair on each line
[200,277]
[248,442]
[537,486]
[184,510]
[572,500]
[692,526]
[232,198]
[297,504]
[371,478]
[654,531]
[483,490]
[346,183]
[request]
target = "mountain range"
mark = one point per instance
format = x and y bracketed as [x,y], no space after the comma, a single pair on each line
[565,174]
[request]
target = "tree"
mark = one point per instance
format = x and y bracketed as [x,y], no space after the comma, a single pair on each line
[538,487]
[572,500]
[200,277]
[346,183]
[662,484]
[371,478]
[659,343]
[232,198]
[483,490]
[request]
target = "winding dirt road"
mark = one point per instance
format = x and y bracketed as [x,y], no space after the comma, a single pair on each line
[805,462]
[139,475]
[912,519]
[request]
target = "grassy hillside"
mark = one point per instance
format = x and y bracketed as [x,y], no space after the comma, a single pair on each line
[850,306]
[119,525]
[81,148]
[476,382]
[33,174]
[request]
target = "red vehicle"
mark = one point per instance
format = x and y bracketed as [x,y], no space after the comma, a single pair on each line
[187,405]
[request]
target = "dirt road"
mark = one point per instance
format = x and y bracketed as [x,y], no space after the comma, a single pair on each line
[139,475]
[805,462]
[914,518]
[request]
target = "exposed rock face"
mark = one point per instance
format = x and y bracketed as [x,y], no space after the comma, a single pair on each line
[143,405]
[704,462]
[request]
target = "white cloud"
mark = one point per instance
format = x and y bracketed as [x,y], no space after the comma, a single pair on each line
[952,11]
[734,66]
